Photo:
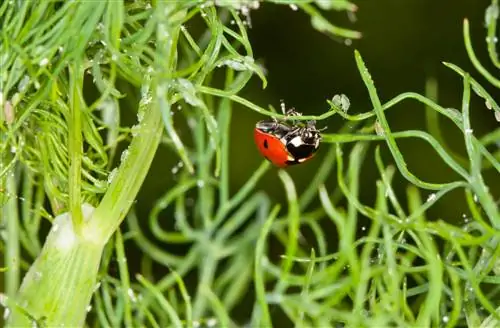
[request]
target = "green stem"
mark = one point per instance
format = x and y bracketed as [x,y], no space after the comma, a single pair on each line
[125,185]
[10,217]
[75,146]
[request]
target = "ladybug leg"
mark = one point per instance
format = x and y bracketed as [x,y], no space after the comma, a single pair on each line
[283,107]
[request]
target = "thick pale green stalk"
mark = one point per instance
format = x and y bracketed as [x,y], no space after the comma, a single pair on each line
[58,287]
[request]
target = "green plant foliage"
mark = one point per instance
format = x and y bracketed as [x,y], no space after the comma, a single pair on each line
[69,159]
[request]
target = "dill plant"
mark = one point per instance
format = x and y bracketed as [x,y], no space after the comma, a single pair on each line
[59,152]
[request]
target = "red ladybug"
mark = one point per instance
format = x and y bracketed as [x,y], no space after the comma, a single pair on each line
[284,144]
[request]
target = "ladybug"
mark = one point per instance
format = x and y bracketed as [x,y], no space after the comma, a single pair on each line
[287,144]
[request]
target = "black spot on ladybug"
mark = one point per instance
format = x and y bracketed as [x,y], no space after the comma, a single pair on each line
[265,144]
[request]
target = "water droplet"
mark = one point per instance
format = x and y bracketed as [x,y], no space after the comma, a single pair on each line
[16,98]
[89,307]
[432,197]
[135,130]
[23,83]
[112,175]
[124,155]
[244,10]
[294,7]
[188,92]
[491,13]
[497,116]
[200,183]
[55,227]
[235,64]
[131,295]
[211,322]
[348,42]
[6,313]
[43,62]
[38,276]
[96,287]
[493,39]
[3,299]
[192,123]
[175,169]
[476,199]
[379,130]
[468,131]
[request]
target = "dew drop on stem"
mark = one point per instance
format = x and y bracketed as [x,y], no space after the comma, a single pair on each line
[379,130]
[112,175]
[3,299]
[23,83]
[43,62]
[6,313]
[212,322]
[124,155]
[497,116]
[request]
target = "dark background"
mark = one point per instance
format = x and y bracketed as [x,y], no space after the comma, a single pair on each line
[403,44]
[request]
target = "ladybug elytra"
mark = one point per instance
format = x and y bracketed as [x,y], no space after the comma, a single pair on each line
[287,144]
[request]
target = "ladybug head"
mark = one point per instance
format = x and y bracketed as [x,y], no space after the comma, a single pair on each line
[303,142]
